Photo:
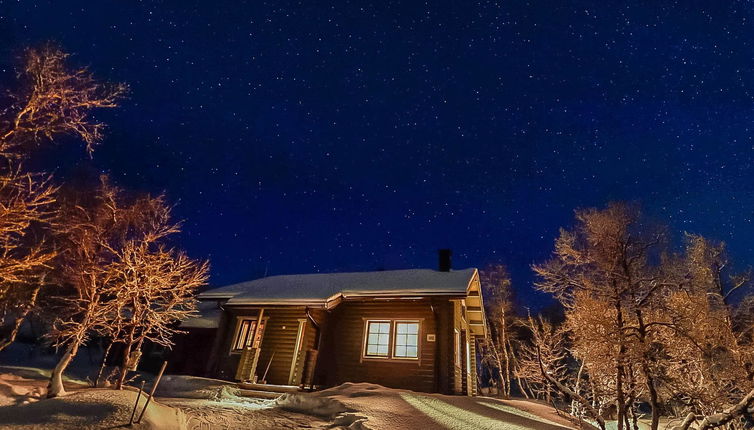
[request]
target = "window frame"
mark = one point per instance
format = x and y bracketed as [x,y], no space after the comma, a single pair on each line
[390,330]
[392,337]
[236,333]
[395,339]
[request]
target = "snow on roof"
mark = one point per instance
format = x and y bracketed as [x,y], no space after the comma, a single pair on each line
[209,316]
[320,287]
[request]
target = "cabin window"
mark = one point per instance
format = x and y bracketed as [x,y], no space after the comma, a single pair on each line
[378,338]
[392,339]
[244,334]
[406,339]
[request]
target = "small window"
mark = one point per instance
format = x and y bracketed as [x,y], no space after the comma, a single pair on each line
[378,338]
[245,333]
[406,340]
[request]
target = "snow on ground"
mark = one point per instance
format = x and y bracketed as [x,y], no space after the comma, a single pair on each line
[214,404]
[375,407]
[21,385]
[202,403]
[95,408]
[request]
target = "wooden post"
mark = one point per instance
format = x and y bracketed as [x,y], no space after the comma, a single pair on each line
[138,396]
[154,388]
[256,328]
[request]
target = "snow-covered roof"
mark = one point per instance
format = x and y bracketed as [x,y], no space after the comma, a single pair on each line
[208,317]
[320,288]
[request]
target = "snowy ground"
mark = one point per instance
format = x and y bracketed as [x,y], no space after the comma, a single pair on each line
[184,402]
[375,407]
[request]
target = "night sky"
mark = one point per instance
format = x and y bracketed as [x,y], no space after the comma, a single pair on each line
[351,135]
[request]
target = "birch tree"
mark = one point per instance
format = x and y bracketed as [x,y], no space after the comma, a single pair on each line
[707,338]
[607,261]
[496,286]
[153,286]
[51,100]
[89,228]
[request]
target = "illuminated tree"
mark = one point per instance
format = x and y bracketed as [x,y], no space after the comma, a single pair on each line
[52,100]
[499,351]
[153,286]
[607,263]
[118,278]
[708,339]
[90,227]
[56,99]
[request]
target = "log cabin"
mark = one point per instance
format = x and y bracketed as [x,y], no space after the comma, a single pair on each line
[411,329]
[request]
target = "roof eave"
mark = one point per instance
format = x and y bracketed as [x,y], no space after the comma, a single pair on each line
[278,302]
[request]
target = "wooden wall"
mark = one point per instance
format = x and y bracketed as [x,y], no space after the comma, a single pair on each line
[281,329]
[342,341]
[341,357]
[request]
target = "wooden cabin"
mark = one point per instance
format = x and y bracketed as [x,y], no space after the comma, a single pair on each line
[411,329]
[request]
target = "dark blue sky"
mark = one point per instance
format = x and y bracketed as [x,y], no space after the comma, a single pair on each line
[349,135]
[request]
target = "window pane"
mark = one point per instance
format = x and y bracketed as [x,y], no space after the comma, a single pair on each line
[412,340]
[249,334]
[406,340]
[378,338]
[241,336]
[258,340]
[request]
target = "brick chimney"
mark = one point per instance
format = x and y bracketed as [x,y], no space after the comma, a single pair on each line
[443,258]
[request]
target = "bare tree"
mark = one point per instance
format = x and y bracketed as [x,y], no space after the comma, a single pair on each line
[496,285]
[89,230]
[51,100]
[707,339]
[123,281]
[606,263]
[154,286]
[56,99]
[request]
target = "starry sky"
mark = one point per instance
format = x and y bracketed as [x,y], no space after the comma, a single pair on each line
[354,135]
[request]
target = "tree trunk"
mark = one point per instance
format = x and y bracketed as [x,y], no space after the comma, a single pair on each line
[567,391]
[126,356]
[56,388]
[21,318]
[123,367]
[654,398]
[723,418]
[504,344]
[513,360]
[124,360]
[620,400]
[104,362]
[496,355]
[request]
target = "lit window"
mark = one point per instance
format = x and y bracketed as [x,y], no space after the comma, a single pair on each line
[406,340]
[378,338]
[245,333]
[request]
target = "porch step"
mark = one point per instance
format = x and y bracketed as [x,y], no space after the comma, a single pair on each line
[268,387]
[259,394]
